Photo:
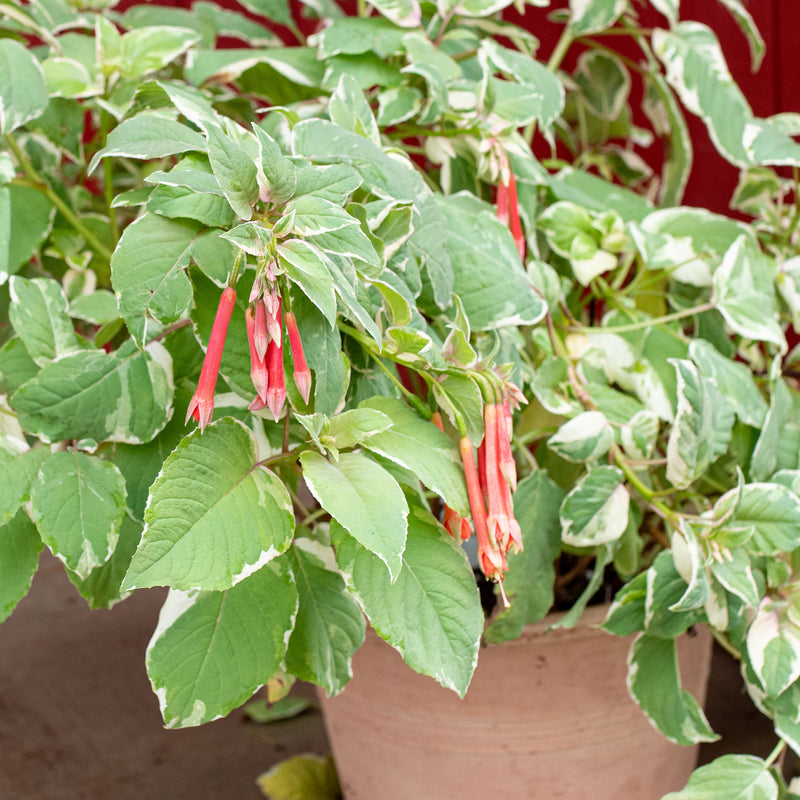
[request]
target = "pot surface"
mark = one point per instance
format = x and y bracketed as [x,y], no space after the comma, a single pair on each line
[546,716]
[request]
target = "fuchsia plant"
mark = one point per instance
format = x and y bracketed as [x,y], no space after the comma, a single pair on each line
[550,350]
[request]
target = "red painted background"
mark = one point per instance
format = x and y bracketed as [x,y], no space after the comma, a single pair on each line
[774,88]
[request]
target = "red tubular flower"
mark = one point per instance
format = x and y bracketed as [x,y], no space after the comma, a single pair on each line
[513,216]
[508,466]
[302,374]
[502,203]
[260,335]
[491,558]
[272,307]
[456,525]
[201,406]
[258,365]
[276,392]
[503,526]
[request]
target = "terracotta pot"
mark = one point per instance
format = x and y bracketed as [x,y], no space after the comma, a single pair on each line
[546,716]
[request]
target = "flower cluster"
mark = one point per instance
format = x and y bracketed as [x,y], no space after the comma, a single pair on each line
[264,318]
[491,477]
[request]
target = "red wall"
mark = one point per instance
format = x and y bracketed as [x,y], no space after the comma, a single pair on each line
[774,88]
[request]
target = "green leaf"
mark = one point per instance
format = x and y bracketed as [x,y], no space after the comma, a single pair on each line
[696,69]
[147,271]
[122,396]
[20,546]
[349,108]
[234,170]
[488,276]
[583,438]
[231,23]
[302,777]
[418,445]
[102,587]
[672,605]
[335,182]
[38,312]
[149,136]
[16,366]
[314,215]
[531,575]
[351,242]
[180,202]
[744,293]
[541,91]
[431,614]
[19,468]
[604,83]
[460,398]
[773,648]
[148,49]
[67,77]
[764,460]
[252,237]
[23,90]
[678,166]
[29,214]
[356,35]
[329,627]
[727,777]
[214,515]
[734,380]
[735,573]
[748,27]
[141,463]
[387,176]
[364,499]
[275,10]
[596,510]
[353,426]
[98,307]
[277,174]
[700,427]
[214,256]
[591,17]
[212,650]
[306,267]
[770,510]
[78,502]
[654,683]
[626,614]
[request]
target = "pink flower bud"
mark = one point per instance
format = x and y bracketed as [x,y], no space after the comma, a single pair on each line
[258,366]
[260,335]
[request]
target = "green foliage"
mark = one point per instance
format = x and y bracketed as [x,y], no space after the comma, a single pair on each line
[372,190]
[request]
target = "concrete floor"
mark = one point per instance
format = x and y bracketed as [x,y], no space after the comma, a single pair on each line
[78,720]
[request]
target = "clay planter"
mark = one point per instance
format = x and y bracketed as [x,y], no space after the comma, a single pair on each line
[546,716]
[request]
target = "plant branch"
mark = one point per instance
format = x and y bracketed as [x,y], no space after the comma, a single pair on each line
[38,183]
[645,323]
[560,50]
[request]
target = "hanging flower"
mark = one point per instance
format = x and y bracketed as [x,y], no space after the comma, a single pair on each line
[302,374]
[491,559]
[276,392]
[260,335]
[258,365]
[201,406]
